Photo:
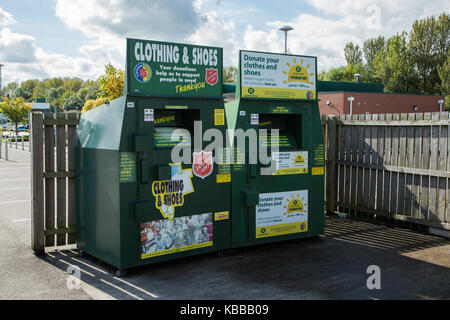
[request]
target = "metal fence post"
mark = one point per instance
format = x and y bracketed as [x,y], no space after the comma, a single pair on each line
[6,150]
[1,140]
[22,143]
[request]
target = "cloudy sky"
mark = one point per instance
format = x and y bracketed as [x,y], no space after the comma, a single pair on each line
[49,38]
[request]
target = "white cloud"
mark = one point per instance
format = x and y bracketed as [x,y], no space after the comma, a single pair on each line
[109,22]
[16,47]
[6,18]
[106,24]
[325,35]
[217,30]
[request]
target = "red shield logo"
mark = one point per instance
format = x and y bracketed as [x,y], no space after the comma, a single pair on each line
[211,76]
[203,164]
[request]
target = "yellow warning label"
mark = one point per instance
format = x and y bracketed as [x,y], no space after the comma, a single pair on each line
[291,171]
[281,229]
[224,215]
[223,178]
[219,117]
[175,250]
[318,171]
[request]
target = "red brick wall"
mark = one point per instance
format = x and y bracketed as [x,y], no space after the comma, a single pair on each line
[377,103]
[335,106]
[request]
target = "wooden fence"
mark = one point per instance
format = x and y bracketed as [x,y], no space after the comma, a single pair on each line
[53,139]
[392,165]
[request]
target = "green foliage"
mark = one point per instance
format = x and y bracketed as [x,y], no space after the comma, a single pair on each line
[394,65]
[371,48]
[9,90]
[229,74]
[61,93]
[14,109]
[353,54]
[415,61]
[111,82]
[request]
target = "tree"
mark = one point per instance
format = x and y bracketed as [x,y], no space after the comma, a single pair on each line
[19,92]
[371,48]
[444,75]
[91,104]
[229,74]
[111,82]
[73,85]
[394,65]
[429,46]
[9,90]
[73,102]
[28,86]
[353,54]
[15,110]
[53,97]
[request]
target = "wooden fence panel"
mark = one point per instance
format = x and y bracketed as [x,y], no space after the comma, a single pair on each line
[388,164]
[398,166]
[53,190]
[49,142]
[37,186]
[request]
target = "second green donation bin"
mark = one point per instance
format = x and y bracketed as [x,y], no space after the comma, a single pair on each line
[276,115]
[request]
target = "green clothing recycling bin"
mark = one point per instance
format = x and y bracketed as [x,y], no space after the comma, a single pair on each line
[135,204]
[282,198]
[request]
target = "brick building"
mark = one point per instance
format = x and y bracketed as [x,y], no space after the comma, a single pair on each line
[370,98]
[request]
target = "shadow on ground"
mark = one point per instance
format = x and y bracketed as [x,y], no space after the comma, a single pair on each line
[333,266]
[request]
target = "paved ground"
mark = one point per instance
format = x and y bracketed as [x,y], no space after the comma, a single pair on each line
[413,265]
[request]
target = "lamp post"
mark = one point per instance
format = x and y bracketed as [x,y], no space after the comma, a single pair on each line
[350,99]
[285,29]
[357,75]
[1,65]
[441,102]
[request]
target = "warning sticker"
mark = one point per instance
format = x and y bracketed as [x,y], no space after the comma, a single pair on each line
[148,115]
[219,117]
[223,178]
[224,215]
[254,119]
[318,171]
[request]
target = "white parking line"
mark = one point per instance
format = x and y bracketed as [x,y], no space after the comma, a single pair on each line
[14,201]
[21,220]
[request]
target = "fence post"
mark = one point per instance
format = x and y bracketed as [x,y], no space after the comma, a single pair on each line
[1,140]
[6,149]
[331,174]
[22,143]
[37,185]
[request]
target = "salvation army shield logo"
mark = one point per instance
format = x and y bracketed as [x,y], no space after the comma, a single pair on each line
[211,76]
[203,164]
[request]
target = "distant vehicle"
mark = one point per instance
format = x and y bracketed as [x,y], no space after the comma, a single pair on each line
[22,128]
